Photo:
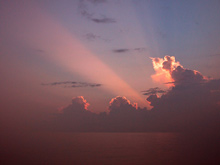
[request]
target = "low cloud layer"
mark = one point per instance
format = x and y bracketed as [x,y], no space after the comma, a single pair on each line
[192,103]
[72,84]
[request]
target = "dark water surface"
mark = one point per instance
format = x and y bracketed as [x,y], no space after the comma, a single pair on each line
[110,148]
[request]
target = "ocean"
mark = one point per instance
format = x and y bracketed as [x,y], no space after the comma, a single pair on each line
[110,149]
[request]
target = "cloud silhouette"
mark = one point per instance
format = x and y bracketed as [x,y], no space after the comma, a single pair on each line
[121,103]
[192,99]
[75,117]
[193,106]
[72,84]
[78,104]
[181,75]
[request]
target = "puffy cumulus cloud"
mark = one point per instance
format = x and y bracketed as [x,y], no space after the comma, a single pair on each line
[78,104]
[121,103]
[169,71]
[123,116]
[184,76]
[74,117]
[192,100]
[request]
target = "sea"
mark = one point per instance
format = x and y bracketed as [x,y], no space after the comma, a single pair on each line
[160,148]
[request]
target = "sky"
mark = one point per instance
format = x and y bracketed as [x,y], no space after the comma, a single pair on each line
[99,52]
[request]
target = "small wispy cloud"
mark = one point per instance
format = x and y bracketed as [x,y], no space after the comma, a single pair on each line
[100,18]
[103,20]
[97,1]
[153,91]
[128,50]
[120,50]
[93,37]
[72,84]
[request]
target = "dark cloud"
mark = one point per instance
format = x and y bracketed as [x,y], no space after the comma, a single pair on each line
[74,117]
[122,116]
[121,103]
[72,84]
[181,75]
[128,50]
[103,20]
[153,91]
[120,50]
[92,16]
[193,99]
[97,1]
[188,106]
[78,104]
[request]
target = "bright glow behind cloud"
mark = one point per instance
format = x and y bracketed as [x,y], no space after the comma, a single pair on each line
[163,68]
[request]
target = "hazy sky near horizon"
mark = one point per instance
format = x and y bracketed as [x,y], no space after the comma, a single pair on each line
[52,51]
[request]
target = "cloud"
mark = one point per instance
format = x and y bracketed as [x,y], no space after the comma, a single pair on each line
[191,100]
[153,91]
[169,71]
[92,37]
[78,104]
[128,50]
[74,117]
[121,103]
[103,20]
[122,116]
[94,16]
[97,1]
[192,106]
[181,75]
[140,49]
[120,50]
[72,84]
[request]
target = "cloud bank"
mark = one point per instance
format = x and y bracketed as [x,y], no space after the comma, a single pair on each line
[192,103]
